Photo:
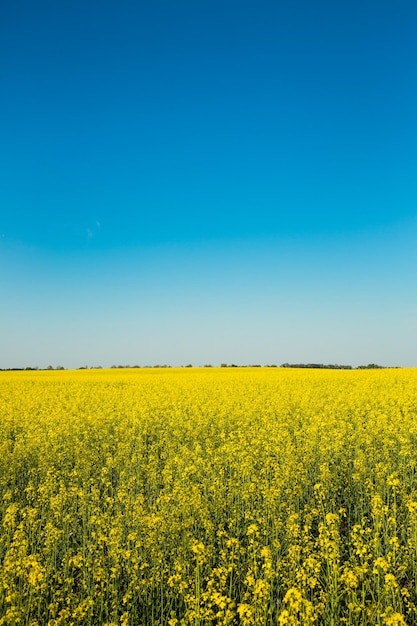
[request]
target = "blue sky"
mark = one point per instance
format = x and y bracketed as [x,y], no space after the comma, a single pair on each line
[207,182]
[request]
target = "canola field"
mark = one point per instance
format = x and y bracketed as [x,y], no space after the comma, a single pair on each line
[176,497]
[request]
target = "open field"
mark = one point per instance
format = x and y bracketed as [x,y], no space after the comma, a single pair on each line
[208,497]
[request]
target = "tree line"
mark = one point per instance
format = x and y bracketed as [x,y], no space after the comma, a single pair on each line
[331,366]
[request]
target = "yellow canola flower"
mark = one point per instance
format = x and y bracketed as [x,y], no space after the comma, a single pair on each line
[393,619]
[208,495]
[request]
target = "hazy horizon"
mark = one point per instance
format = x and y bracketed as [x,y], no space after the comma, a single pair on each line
[208,183]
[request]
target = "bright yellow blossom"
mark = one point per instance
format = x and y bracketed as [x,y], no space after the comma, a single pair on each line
[184,497]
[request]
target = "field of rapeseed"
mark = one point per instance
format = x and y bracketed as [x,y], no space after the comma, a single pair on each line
[208,497]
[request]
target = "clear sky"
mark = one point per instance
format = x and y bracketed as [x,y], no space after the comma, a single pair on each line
[206,182]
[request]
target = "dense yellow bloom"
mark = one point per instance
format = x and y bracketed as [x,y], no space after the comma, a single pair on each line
[217,497]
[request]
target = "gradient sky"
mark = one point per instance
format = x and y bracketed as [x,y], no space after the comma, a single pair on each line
[206,182]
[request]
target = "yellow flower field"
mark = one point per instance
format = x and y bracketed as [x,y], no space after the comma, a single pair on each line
[227,496]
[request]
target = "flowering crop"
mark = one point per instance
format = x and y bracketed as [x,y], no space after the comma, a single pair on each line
[153,497]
